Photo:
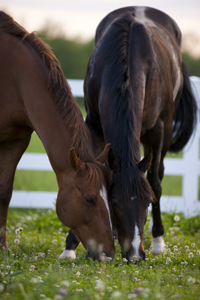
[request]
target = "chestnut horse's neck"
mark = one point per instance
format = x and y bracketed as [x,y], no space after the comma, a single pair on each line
[44,96]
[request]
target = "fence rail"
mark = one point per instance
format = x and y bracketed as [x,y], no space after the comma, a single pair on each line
[188,167]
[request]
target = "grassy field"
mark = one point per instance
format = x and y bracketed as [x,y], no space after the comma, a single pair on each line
[31,269]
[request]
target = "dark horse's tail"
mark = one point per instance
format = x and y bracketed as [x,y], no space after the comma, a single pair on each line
[185,117]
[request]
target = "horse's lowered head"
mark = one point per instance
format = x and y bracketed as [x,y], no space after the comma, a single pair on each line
[83,204]
[130,195]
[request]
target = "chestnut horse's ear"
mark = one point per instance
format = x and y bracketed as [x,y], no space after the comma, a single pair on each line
[102,158]
[145,163]
[74,161]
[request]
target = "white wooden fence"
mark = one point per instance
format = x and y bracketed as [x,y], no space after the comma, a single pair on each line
[188,167]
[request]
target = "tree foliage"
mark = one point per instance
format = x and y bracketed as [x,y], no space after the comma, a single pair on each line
[73,56]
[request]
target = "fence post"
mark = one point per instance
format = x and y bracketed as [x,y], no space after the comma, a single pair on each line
[191,164]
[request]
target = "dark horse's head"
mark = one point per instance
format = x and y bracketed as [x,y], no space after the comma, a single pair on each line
[130,195]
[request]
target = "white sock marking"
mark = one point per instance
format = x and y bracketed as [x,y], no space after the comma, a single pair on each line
[136,242]
[68,253]
[103,194]
[157,245]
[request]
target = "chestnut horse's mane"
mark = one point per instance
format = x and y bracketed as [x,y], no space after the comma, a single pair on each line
[57,85]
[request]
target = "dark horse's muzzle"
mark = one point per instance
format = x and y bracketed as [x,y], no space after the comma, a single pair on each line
[131,257]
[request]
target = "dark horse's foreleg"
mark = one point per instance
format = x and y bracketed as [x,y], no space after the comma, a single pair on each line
[10,154]
[72,243]
[159,139]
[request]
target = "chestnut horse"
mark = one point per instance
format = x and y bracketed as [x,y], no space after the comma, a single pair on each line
[36,96]
[137,91]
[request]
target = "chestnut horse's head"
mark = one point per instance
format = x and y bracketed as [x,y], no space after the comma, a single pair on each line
[83,204]
[131,195]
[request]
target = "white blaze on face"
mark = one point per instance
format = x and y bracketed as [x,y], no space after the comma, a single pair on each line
[103,195]
[136,241]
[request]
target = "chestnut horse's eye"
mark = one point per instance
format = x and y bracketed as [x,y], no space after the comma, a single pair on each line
[90,201]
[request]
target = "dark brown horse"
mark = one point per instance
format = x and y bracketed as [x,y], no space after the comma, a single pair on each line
[35,96]
[137,90]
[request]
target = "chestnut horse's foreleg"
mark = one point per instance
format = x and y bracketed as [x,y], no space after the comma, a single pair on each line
[72,243]
[10,154]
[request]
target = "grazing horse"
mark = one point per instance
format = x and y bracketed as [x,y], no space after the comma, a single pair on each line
[137,91]
[35,96]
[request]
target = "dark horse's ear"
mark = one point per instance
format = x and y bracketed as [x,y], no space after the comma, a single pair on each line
[145,163]
[74,161]
[102,158]
[112,160]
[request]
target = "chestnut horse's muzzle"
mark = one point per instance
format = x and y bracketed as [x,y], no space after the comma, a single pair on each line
[95,253]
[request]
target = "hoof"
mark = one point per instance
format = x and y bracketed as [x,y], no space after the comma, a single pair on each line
[157,245]
[68,253]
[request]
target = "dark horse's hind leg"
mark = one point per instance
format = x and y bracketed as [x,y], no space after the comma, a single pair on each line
[72,243]
[159,139]
[10,154]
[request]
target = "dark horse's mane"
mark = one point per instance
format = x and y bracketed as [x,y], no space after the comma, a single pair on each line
[61,93]
[114,46]
[57,84]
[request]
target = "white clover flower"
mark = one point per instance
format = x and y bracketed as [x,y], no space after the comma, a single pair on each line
[176,218]
[186,247]
[29,218]
[174,270]
[64,283]
[35,280]
[1,287]
[150,267]
[18,230]
[117,294]
[125,260]
[198,252]
[191,280]
[78,273]
[100,286]
[41,254]
[54,242]
[131,296]
[16,241]
[190,255]
[193,245]
[168,260]
[136,272]
[79,290]
[32,268]
[58,297]
[42,296]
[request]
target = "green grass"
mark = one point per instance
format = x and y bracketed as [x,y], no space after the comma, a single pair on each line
[31,270]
